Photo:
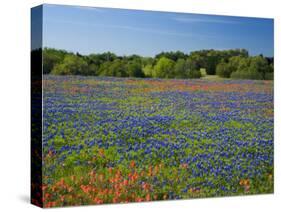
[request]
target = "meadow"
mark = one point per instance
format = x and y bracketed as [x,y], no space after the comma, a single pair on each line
[117,140]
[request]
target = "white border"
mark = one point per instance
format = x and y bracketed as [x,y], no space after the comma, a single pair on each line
[15,101]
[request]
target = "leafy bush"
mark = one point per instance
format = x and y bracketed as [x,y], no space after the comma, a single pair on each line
[246,75]
[269,76]
[253,68]
[164,68]
[71,65]
[223,70]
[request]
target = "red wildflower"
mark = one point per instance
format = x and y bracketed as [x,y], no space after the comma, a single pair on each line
[50,204]
[132,164]
[147,197]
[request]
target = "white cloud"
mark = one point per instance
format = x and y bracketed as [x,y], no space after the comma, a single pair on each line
[204,20]
[96,9]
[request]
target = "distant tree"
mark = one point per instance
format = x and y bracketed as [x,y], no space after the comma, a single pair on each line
[104,69]
[164,68]
[134,68]
[198,60]
[234,63]
[259,64]
[212,59]
[244,65]
[92,70]
[270,60]
[242,71]
[172,55]
[192,70]
[147,61]
[180,69]
[115,68]
[270,74]
[118,68]
[148,71]
[133,57]
[253,68]
[51,57]
[71,65]
[223,70]
[209,59]
[147,66]
[107,56]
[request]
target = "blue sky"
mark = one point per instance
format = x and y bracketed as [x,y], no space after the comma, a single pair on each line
[124,32]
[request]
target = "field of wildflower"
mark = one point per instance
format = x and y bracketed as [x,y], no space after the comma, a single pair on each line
[118,140]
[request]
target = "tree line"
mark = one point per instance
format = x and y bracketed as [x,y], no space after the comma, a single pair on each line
[233,63]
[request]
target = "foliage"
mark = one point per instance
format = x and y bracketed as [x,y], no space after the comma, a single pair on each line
[52,57]
[115,68]
[172,55]
[223,70]
[149,71]
[234,63]
[209,59]
[164,68]
[134,68]
[253,68]
[71,65]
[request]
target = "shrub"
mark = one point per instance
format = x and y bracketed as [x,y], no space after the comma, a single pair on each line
[223,70]
[246,75]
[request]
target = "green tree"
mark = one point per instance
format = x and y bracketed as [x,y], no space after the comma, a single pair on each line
[259,65]
[252,68]
[172,55]
[71,65]
[223,70]
[104,69]
[234,62]
[180,69]
[147,66]
[148,71]
[212,60]
[209,59]
[164,68]
[116,68]
[52,57]
[134,68]
[92,70]
[270,73]
[192,70]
